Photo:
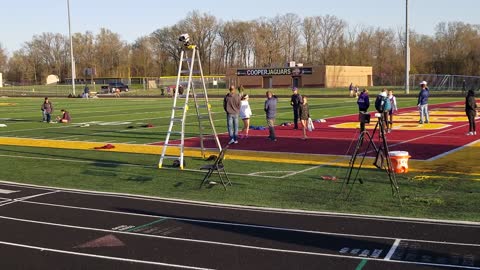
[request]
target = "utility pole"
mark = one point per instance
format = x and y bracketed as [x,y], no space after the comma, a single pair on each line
[407,51]
[71,48]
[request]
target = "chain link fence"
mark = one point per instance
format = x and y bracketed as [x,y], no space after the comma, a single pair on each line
[138,86]
[445,82]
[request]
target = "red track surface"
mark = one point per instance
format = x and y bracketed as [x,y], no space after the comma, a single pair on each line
[421,144]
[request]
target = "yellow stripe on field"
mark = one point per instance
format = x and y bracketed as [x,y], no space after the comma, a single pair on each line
[463,161]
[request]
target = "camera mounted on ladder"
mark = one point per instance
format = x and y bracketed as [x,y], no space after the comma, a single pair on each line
[185,38]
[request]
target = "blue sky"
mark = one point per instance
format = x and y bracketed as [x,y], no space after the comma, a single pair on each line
[21,19]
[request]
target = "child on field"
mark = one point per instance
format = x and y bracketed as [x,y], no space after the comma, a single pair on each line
[245,114]
[304,115]
[394,108]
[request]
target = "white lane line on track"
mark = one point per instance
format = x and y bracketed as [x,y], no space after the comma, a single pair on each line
[10,201]
[219,244]
[392,250]
[452,223]
[43,249]
[233,224]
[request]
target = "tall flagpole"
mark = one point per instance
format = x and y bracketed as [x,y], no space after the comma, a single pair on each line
[407,51]
[71,48]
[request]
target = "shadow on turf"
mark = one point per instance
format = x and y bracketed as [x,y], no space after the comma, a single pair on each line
[94,162]
[249,233]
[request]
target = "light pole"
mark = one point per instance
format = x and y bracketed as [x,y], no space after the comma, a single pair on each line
[407,51]
[71,48]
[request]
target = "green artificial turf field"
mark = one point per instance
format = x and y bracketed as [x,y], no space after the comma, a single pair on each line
[256,183]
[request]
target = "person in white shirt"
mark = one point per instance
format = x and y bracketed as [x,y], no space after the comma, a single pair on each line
[393,102]
[245,114]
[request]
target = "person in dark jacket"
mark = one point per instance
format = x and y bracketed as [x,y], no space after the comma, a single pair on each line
[363,103]
[471,111]
[231,105]
[47,109]
[423,103]
[271,112]
[296,100]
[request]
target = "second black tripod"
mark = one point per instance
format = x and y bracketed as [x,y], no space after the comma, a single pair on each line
[382,158]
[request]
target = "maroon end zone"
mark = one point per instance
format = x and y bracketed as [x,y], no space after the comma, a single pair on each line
[445,133]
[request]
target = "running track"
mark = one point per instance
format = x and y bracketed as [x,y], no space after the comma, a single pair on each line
[47,228]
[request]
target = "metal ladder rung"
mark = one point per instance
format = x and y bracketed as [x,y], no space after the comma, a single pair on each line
[178,108]
[175,132]
[186,71]
[204,116]
[171,157]
[173,144]
[177,119]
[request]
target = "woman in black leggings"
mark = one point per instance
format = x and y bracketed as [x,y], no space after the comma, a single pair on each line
[471,111]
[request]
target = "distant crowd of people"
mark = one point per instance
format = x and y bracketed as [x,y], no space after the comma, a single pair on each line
[236,106]
[386,104]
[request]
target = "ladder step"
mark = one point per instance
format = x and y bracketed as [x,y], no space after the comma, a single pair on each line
[178,108]
[186,71]
[173,144]
[170,157]
[202,106]
[177,119]
[204,116]
[175,133]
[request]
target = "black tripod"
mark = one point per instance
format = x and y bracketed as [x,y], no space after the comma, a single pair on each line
[382,159]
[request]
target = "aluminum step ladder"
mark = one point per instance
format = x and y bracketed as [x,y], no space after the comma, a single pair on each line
[180,108]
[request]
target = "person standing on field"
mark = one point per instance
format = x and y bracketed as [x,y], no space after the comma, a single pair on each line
[271,112]
[231,105]
[47,108]
[363,103]
[471,111]
[304,115]
[393,109]
[245,114]
[423,103]
[296,100]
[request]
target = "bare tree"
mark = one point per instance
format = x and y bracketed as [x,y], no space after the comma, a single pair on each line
[3,58]
[331,29]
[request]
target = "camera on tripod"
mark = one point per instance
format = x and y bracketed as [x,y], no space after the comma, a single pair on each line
[185,38]
[364,118]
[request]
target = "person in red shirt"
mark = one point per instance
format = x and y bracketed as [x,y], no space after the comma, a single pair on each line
[65,118]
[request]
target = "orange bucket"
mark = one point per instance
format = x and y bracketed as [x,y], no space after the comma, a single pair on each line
[399,161]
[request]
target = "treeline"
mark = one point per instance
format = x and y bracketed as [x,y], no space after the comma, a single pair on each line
[454,48]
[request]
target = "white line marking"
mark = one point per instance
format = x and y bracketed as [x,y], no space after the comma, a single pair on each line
[452,151]
[28,197]
[6,191]
[303,171]
[392,250]
[205,242]
[101,256]
[242,225]
[454,223]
